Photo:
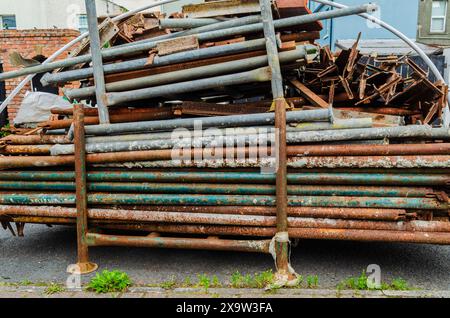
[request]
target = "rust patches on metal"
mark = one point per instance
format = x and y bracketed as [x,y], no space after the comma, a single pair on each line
[261,246]
[370,150]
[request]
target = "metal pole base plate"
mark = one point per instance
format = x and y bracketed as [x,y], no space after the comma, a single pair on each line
[82,268]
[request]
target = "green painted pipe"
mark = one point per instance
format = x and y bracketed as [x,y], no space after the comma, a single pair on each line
[222,200]
[235,177]
[202,188]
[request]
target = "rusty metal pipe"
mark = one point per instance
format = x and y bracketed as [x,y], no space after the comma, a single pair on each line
[80,184]
[151,114]
[108,213]
[383,162]
[330,162]
[371,236]
[30,150]
[261,221]
[264,223]
[315,177]
[370,150]
[179,243]
[34,140]
[299,233]
[208,188]
[33,198]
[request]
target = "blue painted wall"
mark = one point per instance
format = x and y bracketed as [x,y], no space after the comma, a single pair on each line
[402,14]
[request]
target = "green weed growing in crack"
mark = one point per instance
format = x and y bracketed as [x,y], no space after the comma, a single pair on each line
[312,281]
[399,284]
[54,288]
[170,284]
[187,282]
[216,282]
[204,282]
[360,283]
[109,282]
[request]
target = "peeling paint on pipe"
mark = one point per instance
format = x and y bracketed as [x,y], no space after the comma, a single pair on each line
[207,200]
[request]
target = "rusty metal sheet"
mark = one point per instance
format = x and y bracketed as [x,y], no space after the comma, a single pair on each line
[177,45]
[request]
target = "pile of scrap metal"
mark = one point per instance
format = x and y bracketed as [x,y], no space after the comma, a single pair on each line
[189,146]
[356,83]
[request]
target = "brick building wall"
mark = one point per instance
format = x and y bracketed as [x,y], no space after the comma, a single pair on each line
[29,43]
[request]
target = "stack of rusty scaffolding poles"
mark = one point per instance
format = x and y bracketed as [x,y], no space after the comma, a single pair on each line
[174,217]
[148,45]
[309,178]
[205,122]
[183,141]
[137,64]
[43,198]
[207,188]
[257,75]
[189,74]
[101,215]
[403,132]
[337,124]
[232,23]
[298,233]
[110,216]
[293,151]
[295,233]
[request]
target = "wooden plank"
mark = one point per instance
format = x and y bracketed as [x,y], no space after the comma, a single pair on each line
[309,95]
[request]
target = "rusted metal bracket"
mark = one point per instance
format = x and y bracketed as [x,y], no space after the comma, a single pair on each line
[7,226]
[20,226]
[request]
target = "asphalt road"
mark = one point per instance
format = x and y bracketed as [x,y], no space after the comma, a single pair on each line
[44,253]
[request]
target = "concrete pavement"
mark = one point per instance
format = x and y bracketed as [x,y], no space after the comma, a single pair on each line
[44,253]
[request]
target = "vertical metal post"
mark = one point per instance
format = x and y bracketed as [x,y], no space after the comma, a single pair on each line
[84,266]
[97,61]
[281,240]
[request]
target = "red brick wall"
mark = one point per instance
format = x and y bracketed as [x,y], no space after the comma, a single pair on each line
[29,43]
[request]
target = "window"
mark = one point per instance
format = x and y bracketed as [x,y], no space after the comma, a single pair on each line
[82,23]
[438,16]
[8,22]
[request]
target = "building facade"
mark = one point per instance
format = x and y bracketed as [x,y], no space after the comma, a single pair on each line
[135,4]
[402,14]
[434,22]
[50,14]
[28,43]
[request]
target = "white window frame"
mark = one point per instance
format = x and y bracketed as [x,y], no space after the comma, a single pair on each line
[1,21]
[82,27]
[440,17]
